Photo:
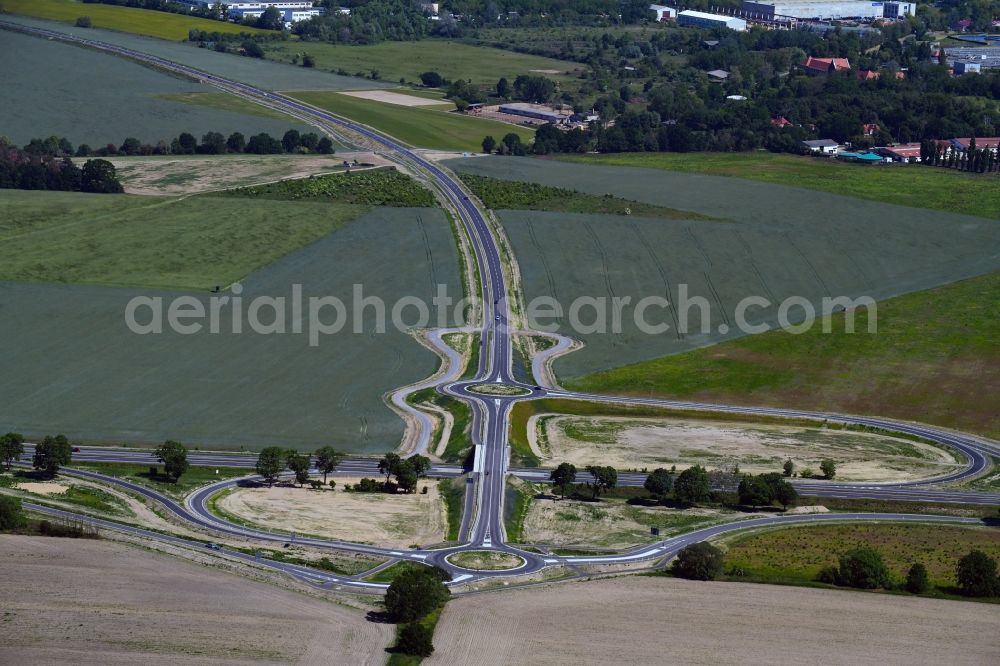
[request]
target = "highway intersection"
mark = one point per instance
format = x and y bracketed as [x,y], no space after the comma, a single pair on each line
[483,520]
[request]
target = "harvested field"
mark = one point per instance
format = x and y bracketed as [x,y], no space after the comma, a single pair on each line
[70,606]
[610,523]
[861,248]
[262,73]
[111,98]
[633,444]
[710,623]
[395,521]
[193,175]
[226,390]
[399,99]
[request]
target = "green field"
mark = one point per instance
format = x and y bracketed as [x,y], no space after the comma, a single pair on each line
[374,187]
[121,240]
[124,19]
[797,554]
[408,60]
[423,128]
[81,371]
[113,98]
[194,477]
[506,194]
[935,359]
[905,185]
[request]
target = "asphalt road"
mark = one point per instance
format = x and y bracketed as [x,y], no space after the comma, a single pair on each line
[485,526]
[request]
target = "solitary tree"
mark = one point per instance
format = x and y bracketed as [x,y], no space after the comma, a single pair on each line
[788,467]
[503,88]
[416,592]
[432,79]
[99,176]
[299,464]
[829,468]
[389,465]
[327,459]
[271,19]
[11,447]
[604,479]
[270,463]
[700,561]
[173,455]
[692,486]
[916,579]
[863,567]
[977,575]
[489,143]
[51,453]
[562,476]
[659,483]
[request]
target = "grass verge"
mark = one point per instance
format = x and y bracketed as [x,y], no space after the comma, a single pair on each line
[375,187]
[453,494]
[194,477]
[423,128]
[516,506]
[517,195]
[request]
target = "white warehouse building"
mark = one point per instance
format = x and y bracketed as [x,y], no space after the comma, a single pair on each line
[828,9]
[693,19]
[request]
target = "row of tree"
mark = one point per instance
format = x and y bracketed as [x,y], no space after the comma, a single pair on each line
[976,160]
[274,460]
[50,454]
[215,143]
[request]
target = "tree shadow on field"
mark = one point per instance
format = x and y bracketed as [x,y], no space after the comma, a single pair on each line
[250,483]
[379,617]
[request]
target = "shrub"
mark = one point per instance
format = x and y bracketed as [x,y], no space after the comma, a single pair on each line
[416,639]
[84,22]
[864,568]
[700,561]
[977,575]
[916,579]
[829,575]
[829,468]
[11,513]
[308,61]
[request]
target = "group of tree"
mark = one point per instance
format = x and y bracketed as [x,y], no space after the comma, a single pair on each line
[46,165]
[413,595]
[407,471]
[602,479]
[50,454]
[864,567]
[766,489]
[274,460]
[511,144]
[369,22]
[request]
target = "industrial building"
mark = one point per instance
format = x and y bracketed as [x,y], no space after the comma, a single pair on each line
[535,111]
[663,13]
[972,59]
[693,19]
[827,9]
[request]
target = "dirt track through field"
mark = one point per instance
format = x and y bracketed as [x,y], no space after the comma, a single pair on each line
[662,620]
[95,602]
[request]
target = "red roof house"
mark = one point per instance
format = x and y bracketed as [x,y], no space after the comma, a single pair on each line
[780,121]
[825,65]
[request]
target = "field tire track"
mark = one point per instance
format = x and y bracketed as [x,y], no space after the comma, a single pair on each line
[545,264]
[604,258]
[755,268]
[718,300]
[812,269]
[428,252]
[663,276]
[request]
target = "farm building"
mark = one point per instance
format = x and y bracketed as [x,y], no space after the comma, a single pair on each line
[536,111]
[825,146]
[664,13]
[964,143]
[718,74]
[905,153]
[695,19]
[828,9]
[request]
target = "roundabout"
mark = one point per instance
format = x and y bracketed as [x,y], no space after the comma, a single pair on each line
[487,560]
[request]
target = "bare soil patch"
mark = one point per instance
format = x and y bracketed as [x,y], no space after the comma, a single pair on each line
[100,602]
[194,175]
[396,521]
[710,623]
[41,488]
[636,443]
[399,99]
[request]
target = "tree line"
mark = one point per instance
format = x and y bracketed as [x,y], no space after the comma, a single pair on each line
[975,160]
[215,143]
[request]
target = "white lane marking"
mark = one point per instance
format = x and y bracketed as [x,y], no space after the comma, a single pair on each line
[393,552]
[420,557]
[459,579]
